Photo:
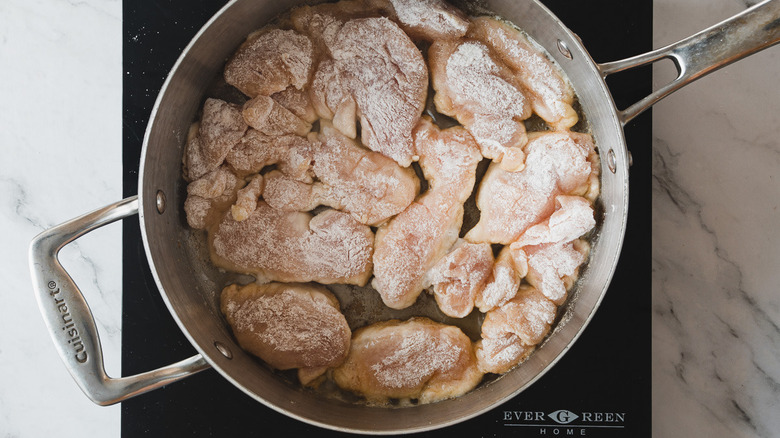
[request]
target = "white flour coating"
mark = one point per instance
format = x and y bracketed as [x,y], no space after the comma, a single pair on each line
[430,19]
[288,325]
[551,95]
[572,218]
[528,316]
[282,322]
[269,61]
[419,355]
[220,128]
[458,277]
[498,355]
[412,242]
[328,248]
[550,264]
[511,202]
[502,284]
[496,105]
[374,63]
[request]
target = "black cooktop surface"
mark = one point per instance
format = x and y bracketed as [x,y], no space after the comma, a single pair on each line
[600,388]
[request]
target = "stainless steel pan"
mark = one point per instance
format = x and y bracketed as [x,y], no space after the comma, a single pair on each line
[188,284]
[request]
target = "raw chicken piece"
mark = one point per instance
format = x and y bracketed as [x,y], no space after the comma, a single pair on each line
[209,196]
[288,325]
[271,118]
[550,94]
[502,283]
[484,95]
[416,359]
[459,275]
[572,218]
[553,267]
[528,315]
[410,244]
[549,249]
[498,355]
[287,194]
[220,129]
[323,21]
[509,332]
[366,184]
[428,20]
[269,61]
[330,247]
[292,154]
[298,102]
[511,202]
[374,72]
[246,198]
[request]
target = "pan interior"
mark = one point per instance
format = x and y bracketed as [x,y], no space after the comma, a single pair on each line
[190,285]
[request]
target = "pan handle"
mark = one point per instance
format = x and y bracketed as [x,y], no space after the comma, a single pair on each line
[746,33]
[70,320]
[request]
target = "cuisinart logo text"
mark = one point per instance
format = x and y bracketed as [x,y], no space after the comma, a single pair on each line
[564,422]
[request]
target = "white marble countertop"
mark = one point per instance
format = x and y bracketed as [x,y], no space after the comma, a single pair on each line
[716,191]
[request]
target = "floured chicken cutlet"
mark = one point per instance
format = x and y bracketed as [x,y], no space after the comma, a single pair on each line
[484,95]
[511,202]
[366,184]
[510,332]
[209,196]
[288,325]
[221,127]
[330,247]
[428,20]
[292,154]
[270,61]
[551,252]
[372,72]
[550,94]
[412,242]
[271,118]
[503,282]
[415,359]
[458,277]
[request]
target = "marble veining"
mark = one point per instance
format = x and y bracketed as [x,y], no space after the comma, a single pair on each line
[60,136]
[716,313]
[716,249]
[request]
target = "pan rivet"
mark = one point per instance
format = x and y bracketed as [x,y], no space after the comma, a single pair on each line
[223,350]
[630,159]
[612,161]
[160,201]
[564,49]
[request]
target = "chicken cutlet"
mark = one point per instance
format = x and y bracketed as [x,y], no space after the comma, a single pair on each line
[502,283]
[415,359]
[273,245]
[553,267]
[288,325]
[366,184]
[510,202]
[410,244]
[550,94]
[292,154]
[428,20]
[270,61]
[484,95]
[372,72]
[268,116]
[459,276]
[210,140]
[209,196]
[510,332]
